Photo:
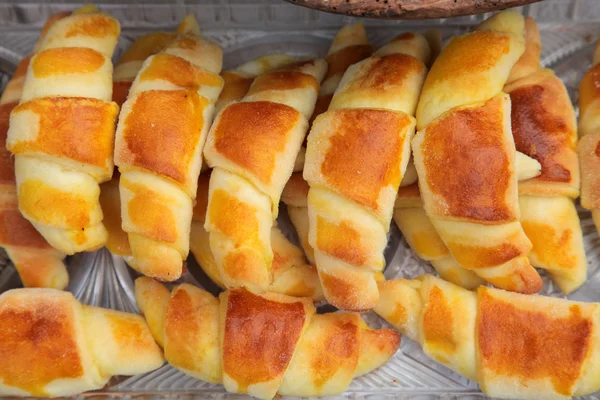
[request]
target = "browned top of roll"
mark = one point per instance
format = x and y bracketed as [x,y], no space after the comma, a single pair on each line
[167,120]
[76,128]
[515,342]
[259,337]
[456,148]
[543,125]
[357,174]
[253,134]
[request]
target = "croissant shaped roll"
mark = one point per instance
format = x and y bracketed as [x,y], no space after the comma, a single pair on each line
[252,147]
[61,133]
[589,131]
[513,345]
[356,156]
[51,345]
[291,274]
[262,345]
[159,140]
[465,154]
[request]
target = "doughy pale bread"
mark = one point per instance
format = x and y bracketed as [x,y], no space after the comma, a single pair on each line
[263,345]
[38,264]
[62,131]
[171,98]
[356,156]
[589,131]
[252,147]
[513,345]
[465,154]
[544,128]
[58,347]
[291,274]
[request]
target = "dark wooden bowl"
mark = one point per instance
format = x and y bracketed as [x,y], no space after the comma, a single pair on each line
[409,9]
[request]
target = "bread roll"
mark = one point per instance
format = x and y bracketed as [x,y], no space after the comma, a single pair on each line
[465,154]
[252,147]
[513,345]
[56,346]
[291,274]
[356,156]
[158,149]
[62,131]
[263,345]
[544,128]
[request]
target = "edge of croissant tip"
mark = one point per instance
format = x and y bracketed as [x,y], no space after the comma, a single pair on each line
[88,8]
[189,24]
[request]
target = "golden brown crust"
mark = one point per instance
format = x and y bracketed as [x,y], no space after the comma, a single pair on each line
[167,120]
[321,106]
[17,231]
[339,61]
[589,96]
[201,206]
[358,174]
[237,138]
[455,149]
[7,164]
[524,344]
[66,60]
[79,129]
[437,323]
[120,92]
[543,126]
[283,80]
[235,87]
[530,60]
[260,348]
[40,345]
[93,25]
[295,191]
[342,242]
[178,72]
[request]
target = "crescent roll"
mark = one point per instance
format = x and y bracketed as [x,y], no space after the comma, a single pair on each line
[38,263]
[544,128]
[62,131]
[158,149]
[514,345]
[56,346]
[589,144]
[252,147]
[291,274]
[356,156]
[465,154]
[262,345]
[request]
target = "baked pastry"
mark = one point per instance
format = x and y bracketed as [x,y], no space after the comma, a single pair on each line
[544,128]
[51,345]
[126,70]
[465,155]
[291,274]
[513,345]
[262,345]
[38,264]
[294,196]
[356,155]
[238,80]
[158,149]
[62,131]
[252,147]
[589,132]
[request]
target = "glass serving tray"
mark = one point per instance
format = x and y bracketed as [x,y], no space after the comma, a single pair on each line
[246,30]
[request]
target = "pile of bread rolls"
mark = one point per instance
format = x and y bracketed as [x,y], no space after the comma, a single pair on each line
[470,148]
